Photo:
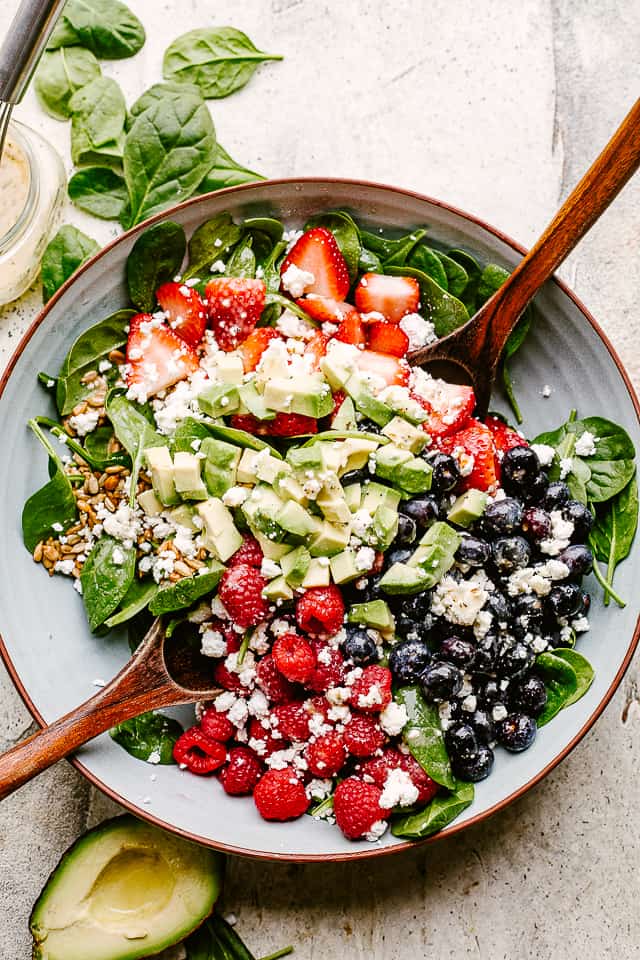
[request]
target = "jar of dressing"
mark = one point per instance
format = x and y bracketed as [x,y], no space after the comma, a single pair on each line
[32,185]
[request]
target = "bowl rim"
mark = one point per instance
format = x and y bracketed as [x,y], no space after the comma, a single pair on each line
[372,850]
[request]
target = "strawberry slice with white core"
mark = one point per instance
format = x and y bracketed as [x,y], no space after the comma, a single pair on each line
[234,305]
[325,309]
[315,265]
[382,370]
[156,357]
[449,404]
[393,297]
[185,311]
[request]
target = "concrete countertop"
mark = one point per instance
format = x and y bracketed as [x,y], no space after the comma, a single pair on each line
[497,108]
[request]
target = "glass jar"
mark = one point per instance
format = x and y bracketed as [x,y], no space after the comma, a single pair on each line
[31,194]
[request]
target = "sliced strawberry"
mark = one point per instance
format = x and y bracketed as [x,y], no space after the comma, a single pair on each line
[255,345]
[387,338]
[317,347]
[393,297]
[283,424]
[317,253]
[234,305]
[185,309]
[474,441]
[449,408]
[504,436]
[156,356]
[390,369]
[326,310]
[351,330]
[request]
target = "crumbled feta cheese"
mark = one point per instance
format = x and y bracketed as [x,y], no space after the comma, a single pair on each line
[372,697]
[225,701]
[58,528]
[376,830]
[296,281]
[64,566]
[499,712]
[269,568]
[319,789]
[213,644]
[544,453]
[291,325]
[235,496]
[218,266]
[399,790]
[586,444]
[546,390]
[393,718]
[581,625]
[84,423]
[561,532]
[280,627]
[365,558]
[154,757]
[238,713]
[117,556]
[470,703]
[123,525]
[460,601]
[566,466]
[418,330]
[257,704]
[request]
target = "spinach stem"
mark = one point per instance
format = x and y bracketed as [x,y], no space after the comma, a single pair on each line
[606,586]
[279,953]
[572,416]
[244,646]
[323,807]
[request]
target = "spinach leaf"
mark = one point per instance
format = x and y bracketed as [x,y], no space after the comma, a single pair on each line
[92,346]
[187,431]
[271,267]
[582,668]
[266,226]
[615,529]
[201,945]
[242,262]
[425,259]
[242,439]
[95,462]
[54,503]
[515,340]
[68,249]
[106,577]
[441,308]
[469,295]
[423,736]
[185,592]
[457,276]
[388,251]
[561,682]
[369,262]
[156,257]
[136,599]
[60,74]
[150,737]
[230,946]
[134,432]
[226,172]
[167,151]
[347,235]
[84,153]
[443,809]
[160,92]
[99,191]
[100,110]
[106,27]
[218,59]
[211,241]
[97,442]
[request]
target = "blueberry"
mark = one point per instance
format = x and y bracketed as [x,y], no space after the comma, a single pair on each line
[399,555]
[503,517]
[510,553]
[408,660]
[355,476]
[446,473]
[456,650]
[483,726]
[359,646]
[441,681]
[413,629]
[499,606]
[406,530]
[578,559]
[514,660]
[528,694]
[516,732]
[536,524]
[473,551]
[484,656]
[475,768]
[581,518]
[371,591]
[564,600]
[520,467]
[556,496]
[529,608]
[489,693]
[422,510]
[537,489]
[461,741]
[418,605]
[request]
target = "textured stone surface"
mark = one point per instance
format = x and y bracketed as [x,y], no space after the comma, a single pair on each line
[497,108]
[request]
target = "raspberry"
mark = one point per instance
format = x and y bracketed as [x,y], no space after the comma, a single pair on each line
[318,705]
[372,691]
[198,753]
[327,755]
[216,726]
[294,657]
[225,678]
[264,736]
[242,772]
[276,687]
[363,735]
[356,806]
[280,795]
[292,720]
[241,593]
[250,552]
[320,611]
[282,425]
[329,671]
[379,767]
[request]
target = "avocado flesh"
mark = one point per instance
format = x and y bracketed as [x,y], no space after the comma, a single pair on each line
[125,890]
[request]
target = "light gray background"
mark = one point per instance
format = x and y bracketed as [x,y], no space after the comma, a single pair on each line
[498,108]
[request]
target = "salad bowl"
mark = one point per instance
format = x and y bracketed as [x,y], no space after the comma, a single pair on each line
[56,662]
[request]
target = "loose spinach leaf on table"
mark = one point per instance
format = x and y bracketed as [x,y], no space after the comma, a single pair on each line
[134,432]
[160,92]
[99,109]
[212,241]
[443,809]
[445,311]
[150,737]
[104,581]
[92,346]
[226,172]
[54,503]
[136,599]
[60,74]
[582,668]
[561,682]
[68,249]
[347,235]
[99,191]
[187,591]
[615,528]
[218,59]
[423,736]
[106,27]
[156,257]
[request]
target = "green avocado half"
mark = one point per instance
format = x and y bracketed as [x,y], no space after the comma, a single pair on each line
[123,891]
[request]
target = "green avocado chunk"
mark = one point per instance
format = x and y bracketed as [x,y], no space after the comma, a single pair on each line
[124,890]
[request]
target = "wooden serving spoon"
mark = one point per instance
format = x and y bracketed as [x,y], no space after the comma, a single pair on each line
[475,348]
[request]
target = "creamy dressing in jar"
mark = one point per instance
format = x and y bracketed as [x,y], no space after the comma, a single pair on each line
[15,177]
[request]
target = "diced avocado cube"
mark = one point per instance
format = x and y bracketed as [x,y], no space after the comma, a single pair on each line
[374,613]
[415,476]
[352,495]
[389,458]
[295,565]
[440,532]
[436,552]
[309,397]
[358,453]
[161,466]
[384,527]
[217,401]
[332,502]
[277,589]
[344,568]
[246,472]
[402,469]
[260,510]
[150,504]
[345,418]
[374,494]
[306,458]
[255,402]
[220,465]
[366,403]
[318,574]
[399,399]
[221,536]
[287,487]
[186,476]
[334,455]
[403,434]
[330,539]
[272,550]
[468,507]
[339,364]
[230,368]
[400,578]
[182,516]
[296,520]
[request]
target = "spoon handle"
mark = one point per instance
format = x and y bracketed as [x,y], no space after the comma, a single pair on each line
[140,686]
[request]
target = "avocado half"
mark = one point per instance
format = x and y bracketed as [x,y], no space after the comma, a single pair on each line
[123,891]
